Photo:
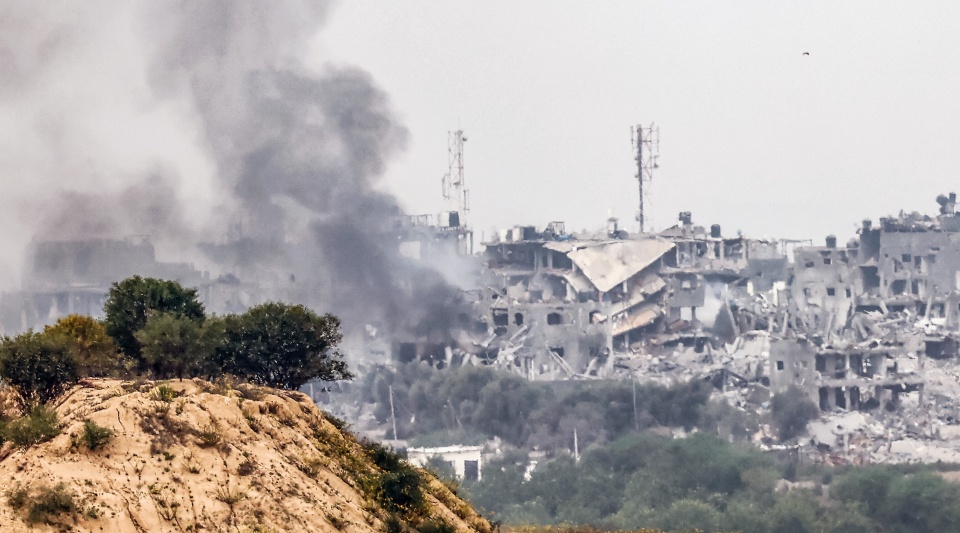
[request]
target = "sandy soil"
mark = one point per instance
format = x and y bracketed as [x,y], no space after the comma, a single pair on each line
[211,459]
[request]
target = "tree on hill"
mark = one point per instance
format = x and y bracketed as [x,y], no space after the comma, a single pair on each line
[92,349]
[39,366]
[280,345]
[171,345]
[131,301]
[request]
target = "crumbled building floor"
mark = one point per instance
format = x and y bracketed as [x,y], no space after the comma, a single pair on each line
[869,331]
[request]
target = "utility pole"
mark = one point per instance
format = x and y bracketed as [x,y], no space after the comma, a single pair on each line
[646,141]
[393,415]
[576,446]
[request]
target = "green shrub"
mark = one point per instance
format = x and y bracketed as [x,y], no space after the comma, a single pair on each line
[399,486]
[401,491]
[39,366]
[210,436]
[95,436]
[17,497]
[43,504]
[443,470]
[436,526]
[393,524]
[342,425]
[170,345]
[90,346]
[39,426]
[280,345]
[50,502]
[385,458]
[164,393]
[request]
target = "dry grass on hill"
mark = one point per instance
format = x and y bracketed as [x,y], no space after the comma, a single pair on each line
[194,456]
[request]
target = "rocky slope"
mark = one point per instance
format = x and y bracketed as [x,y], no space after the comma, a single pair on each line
[192,456]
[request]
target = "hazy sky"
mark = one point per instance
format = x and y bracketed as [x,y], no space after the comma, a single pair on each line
[755,135]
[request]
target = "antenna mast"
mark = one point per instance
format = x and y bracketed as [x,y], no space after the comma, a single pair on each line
[454,185]
[646,141]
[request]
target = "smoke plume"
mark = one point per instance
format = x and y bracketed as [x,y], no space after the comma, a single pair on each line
[199,123]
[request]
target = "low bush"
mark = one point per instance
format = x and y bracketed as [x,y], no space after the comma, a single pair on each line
[383,456]
[436,526]
[17,497]
[230,496]
[164,393]
[50,502]
[336,422]
[210,436]
[43,504]
[246,468]
[39,426]
[401,491]
[393,524]
[39,366]
[399,486]
[96,436]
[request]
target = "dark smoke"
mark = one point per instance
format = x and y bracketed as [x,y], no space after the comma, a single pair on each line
[282,136]
[297,156]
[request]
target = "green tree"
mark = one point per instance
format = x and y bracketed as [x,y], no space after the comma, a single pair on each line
[923,502]
[131,301]
[501,485]
[93,350]
[868,485]
[171,345]
[746,516]
[795,512]
[846,518]
[281,345]
[40,367]
[687,515]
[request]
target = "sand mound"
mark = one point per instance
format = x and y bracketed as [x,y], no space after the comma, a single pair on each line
[191,456]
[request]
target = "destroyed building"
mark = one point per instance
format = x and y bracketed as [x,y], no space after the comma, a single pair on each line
[848,378]
[867,330]
[65,277]
[850,325]
[555,305]
[74,276]
[891,290]
[860,326]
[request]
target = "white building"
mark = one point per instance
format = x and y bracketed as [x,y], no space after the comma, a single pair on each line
[465,460]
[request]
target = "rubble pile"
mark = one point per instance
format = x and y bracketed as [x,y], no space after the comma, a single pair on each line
[868,331]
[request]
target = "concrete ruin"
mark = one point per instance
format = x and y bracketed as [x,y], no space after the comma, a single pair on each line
[74,276]
[872,326]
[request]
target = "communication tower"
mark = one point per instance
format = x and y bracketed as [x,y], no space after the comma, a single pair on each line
[646,141]
[454,186]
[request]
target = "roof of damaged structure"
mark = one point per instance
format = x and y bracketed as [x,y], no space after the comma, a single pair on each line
[607,264]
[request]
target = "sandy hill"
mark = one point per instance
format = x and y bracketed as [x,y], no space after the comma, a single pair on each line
[191,456]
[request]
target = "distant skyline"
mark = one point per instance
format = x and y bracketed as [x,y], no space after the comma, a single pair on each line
[756,135]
